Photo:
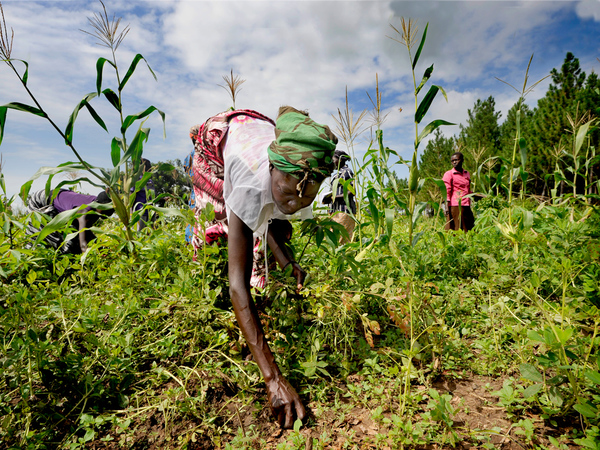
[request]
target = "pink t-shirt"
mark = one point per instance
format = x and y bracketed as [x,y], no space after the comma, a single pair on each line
[458,185]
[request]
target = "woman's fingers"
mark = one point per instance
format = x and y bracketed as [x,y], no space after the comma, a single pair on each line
[289,418]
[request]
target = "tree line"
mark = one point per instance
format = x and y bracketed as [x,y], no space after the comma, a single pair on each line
[572,100]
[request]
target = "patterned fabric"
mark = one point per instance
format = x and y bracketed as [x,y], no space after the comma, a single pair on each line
[208,171]
[302,146]
[38,202]
[458,185]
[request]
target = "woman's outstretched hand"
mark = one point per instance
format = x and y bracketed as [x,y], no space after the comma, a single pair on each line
[298,273]
[285,402]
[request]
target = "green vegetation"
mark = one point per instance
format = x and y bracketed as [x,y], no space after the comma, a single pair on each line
[404,337]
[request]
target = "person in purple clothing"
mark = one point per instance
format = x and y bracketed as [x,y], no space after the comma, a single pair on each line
[458,187]
[65,201]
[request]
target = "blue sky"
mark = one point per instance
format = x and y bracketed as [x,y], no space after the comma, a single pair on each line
[301,53]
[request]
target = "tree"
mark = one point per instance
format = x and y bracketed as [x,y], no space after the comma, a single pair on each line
[509,127]
[175,185]
[550,119]
[480,138]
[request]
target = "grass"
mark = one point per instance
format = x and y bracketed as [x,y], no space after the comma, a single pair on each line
[141,350]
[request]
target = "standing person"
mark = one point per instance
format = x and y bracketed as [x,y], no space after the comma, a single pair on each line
[459,215]
[337,204]
[65,201]
[345,173]
[257,173]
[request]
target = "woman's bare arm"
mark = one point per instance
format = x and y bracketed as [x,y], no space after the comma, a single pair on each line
[284,401]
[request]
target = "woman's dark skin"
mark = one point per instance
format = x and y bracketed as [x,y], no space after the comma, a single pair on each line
[87,221]
[283,399]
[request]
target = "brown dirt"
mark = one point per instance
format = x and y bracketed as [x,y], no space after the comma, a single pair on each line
[347,425]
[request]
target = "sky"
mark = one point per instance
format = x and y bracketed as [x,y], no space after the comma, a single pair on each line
[307,54]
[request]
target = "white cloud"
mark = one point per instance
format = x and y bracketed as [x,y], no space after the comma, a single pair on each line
[303,53]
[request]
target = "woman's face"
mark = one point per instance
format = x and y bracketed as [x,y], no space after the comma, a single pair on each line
[285,195]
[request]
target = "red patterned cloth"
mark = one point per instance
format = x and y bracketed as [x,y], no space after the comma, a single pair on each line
[208,170]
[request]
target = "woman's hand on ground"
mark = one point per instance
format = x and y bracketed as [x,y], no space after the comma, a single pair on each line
[285,402]
[298,273]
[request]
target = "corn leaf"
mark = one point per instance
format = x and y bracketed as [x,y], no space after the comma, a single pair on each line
[3,111]
[112,98]
[426,103]
[25,108]
[523,149]
[99,69]
[60,222]
[115,152]
[75,113]
[413,177]
[418,54]
[130,119]
[372,206]
[581,134]
[426,77]
[131,69]
[430,128]
[134,151]
[389,221]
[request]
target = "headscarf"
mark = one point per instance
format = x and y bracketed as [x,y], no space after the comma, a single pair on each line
[301,147]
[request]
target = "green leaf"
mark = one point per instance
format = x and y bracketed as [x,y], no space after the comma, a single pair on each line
[532,390]
[413,176]
[3,110]
[137,146]
[25,108]
[430,128]
[426,103]
[523,150]
[555,396]
[422,43]
[594,376]
[131,69]
[564,335]
[426,77]
[73,117]
[31,276]
[95,116]
[587,409]
[99,68]
[112,98]
[581,134]
[115,152]
[389,221]
[529,372]
[130,119]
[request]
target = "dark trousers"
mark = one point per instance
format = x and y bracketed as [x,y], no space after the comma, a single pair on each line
[461,218]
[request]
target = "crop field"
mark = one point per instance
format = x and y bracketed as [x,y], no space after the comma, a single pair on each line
[404,336]
[460,340]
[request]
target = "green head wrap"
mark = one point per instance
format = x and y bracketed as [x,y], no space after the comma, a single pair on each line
[301,147]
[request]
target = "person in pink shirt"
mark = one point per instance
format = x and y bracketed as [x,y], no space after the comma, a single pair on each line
[458,186]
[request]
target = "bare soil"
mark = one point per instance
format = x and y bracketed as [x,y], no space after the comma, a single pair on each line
[477,413]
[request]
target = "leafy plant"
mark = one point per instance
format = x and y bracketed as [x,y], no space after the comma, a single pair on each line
[127,176]
[415,183]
